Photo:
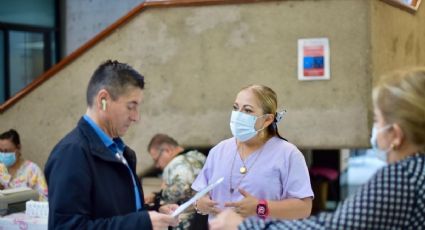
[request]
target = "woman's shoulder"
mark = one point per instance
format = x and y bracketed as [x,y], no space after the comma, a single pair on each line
[414,166]
[409,169]
[220,150]
[401,180]
[282,146]
[30,165]
[409,164]
[224,144]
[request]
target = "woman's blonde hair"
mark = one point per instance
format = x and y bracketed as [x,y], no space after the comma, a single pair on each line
[400,96]
[267,99]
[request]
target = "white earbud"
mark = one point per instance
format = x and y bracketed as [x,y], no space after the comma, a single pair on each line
[104,104]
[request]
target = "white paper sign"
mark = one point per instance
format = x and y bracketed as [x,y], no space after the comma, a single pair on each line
[313,59]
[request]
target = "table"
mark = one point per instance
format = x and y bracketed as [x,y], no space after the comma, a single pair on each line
[21,221]
[151,184]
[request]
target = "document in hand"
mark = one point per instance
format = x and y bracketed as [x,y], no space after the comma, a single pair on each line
[196,197]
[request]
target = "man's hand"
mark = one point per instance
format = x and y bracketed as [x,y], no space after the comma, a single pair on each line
[246,207]
[162,221]
[226,220]
[168,208]
[149,198]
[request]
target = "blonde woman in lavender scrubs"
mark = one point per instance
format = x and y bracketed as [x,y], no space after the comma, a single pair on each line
[264,175]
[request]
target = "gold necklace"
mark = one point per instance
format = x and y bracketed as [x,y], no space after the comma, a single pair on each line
[243,168]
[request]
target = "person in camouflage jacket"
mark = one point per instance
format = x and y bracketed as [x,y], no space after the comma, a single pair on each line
[180,168]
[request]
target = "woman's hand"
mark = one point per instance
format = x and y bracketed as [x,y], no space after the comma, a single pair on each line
[227,220]
[207,206]
[5,177]
[3,169]
[246,207]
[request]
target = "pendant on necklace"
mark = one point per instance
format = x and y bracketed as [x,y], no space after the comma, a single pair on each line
[242,170]
[231,190]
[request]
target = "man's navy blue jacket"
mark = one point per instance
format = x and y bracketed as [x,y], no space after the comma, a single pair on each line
[89,188]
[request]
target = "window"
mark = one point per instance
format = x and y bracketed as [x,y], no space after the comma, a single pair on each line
[28,42]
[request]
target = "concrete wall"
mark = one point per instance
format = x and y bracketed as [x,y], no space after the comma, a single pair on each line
[196,59]
[83,19]
[398,38]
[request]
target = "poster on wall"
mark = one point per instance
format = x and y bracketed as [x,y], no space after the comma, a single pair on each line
[313,59]
[409,5]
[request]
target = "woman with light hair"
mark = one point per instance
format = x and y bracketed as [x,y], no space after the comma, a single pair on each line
[394,197]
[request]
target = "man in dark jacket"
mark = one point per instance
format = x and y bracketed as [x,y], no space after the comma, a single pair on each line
[91,172]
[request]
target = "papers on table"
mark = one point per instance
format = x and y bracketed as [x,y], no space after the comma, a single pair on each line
[14,190]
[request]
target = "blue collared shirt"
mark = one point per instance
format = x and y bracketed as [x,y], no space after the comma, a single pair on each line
[116,146]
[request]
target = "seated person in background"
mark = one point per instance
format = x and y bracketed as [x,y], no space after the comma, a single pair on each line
[180,169]
[16,171]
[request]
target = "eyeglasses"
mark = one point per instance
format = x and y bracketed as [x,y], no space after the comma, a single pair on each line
[156,159]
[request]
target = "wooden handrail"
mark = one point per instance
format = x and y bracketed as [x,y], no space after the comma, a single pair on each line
[104,33]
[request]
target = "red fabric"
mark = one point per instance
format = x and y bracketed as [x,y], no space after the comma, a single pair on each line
[328,173]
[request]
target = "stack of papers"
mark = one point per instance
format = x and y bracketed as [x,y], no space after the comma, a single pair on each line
[37,208]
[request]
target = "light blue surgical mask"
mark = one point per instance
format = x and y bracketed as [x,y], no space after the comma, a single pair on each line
[381,154]
[242,125]
[7,158]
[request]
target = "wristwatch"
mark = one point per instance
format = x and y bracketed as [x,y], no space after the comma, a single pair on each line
[262,209]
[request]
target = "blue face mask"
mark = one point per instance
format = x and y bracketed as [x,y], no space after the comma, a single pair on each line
[242,126]
[7,159]
[381,154]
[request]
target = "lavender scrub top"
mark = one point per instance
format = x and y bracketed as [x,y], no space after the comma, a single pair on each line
[276,171]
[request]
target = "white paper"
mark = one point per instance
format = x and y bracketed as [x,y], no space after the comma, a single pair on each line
[313,59]
[197,196]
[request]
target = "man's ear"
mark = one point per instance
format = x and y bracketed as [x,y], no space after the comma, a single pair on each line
[102,99]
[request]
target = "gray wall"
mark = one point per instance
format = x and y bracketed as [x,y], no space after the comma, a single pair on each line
[397,38]
[83,19]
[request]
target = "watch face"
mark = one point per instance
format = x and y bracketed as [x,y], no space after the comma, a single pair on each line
[261,210]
